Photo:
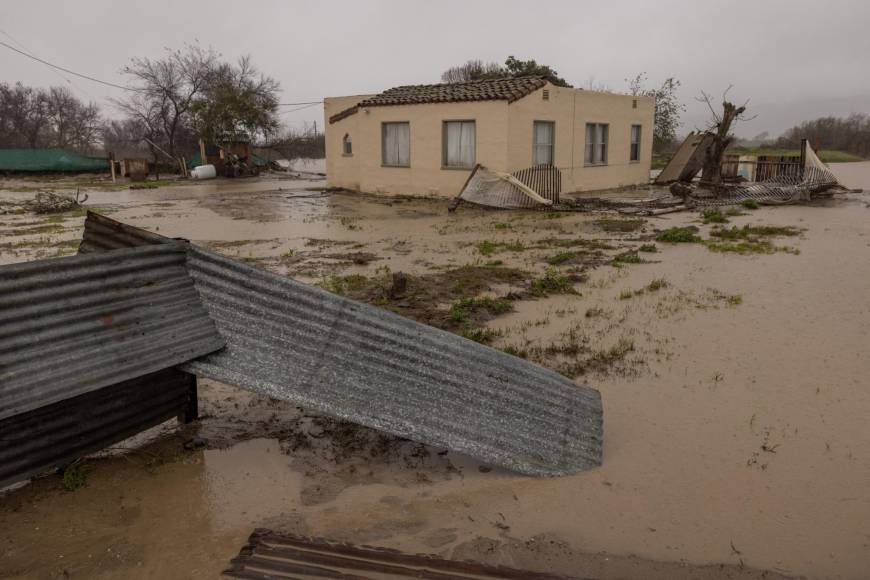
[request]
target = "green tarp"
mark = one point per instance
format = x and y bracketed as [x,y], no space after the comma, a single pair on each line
[49,160]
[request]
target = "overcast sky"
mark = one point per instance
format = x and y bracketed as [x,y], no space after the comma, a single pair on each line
[792,58]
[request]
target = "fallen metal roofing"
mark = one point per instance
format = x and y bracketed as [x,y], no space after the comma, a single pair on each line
[360,363]
[687,160]
[55,435]
[272,555]
[73,325]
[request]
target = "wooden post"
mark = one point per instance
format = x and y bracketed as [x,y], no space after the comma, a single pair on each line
[112,165]
[191,410]
[202,159]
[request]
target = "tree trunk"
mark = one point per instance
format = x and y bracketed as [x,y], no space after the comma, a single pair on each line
[712,172]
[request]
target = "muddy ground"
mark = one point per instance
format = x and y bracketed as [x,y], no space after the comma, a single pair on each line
[733,371]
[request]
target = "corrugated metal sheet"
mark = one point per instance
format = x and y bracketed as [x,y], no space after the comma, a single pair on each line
[55,435]
[364,364]
[73,325]
[271,555]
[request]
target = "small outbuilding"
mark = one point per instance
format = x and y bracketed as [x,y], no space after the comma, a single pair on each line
[426,139]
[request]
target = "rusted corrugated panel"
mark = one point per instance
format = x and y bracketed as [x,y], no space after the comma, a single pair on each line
[360,363]
[55,435]
[271,555]
[73,325]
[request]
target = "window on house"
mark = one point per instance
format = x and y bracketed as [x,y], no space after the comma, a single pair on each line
[459,142]
[596,143]
[635,143]
[396,138]
[544,135]
[347,145]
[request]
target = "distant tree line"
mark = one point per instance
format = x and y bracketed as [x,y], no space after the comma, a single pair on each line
[44,118]
[850,134]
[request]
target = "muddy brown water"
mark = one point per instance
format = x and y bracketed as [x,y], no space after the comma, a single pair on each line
[736,437]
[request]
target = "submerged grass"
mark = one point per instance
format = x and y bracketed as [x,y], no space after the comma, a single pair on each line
[629,257]
[552,282]
[713,215]
[684,235]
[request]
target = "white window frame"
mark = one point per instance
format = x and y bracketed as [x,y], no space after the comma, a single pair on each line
[634,143]
[384,162]
[551,145]
[595,150]
[463,123]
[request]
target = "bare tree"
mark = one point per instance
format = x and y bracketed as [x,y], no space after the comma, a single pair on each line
[473,70]
[168,87]
[720,127]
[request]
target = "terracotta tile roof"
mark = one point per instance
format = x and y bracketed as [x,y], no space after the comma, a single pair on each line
[507,89]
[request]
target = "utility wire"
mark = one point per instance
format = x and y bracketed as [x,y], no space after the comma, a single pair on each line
[69,81]
[305,104]
[66,70]
[308,106]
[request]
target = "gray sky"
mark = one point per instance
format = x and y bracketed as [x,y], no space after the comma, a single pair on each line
[793,58]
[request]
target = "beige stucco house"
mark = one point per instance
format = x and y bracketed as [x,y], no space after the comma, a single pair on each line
[425,139]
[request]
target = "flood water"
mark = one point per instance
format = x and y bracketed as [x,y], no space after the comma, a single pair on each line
[737,435]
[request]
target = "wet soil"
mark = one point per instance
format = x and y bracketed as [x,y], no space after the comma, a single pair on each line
[734,389]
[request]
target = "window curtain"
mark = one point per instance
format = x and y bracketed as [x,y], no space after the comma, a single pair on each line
[397,144]
[459,146]
[543,136]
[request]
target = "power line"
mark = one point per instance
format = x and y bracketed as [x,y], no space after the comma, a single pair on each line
[67,79]
[308,106]
[304,105]
[66,70]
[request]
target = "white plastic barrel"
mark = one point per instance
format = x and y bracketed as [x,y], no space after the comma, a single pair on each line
[203,172]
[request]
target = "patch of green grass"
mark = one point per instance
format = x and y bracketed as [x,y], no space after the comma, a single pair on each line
[288,254]
[629,257]
[750,204]
[742,247]
[502,226]
[481,335]
[561,258]
[685,235]
[344,284]
[734,299]
[734,212]
[552,282]
[713,215]
[487,248]
[753,232]
[826,155]
[649,248]
[74,477]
